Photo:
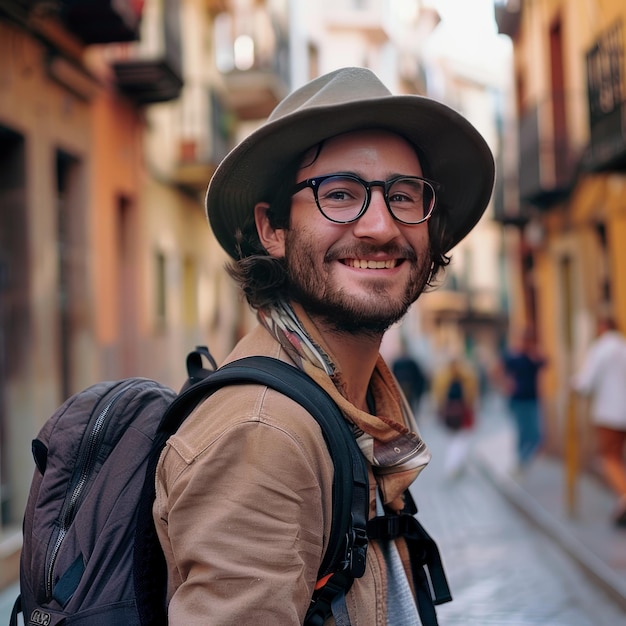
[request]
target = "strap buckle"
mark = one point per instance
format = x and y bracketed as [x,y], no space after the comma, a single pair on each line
[356,551]
[388,527]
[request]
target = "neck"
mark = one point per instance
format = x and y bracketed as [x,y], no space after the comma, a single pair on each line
[354,354]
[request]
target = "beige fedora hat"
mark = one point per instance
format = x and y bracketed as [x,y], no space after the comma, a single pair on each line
[351,99]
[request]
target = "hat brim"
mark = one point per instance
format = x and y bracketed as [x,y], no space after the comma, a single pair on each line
[457,156]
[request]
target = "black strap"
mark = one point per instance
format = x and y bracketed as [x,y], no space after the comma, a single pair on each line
[429,576]
[195,366]
[348,539]
[330,599]
[17,609]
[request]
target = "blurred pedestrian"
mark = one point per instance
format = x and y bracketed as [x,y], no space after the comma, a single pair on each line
[454,392]
[520,375]
[603,377]
[410,376]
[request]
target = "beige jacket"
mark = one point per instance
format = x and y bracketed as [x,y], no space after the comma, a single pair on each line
[243,510]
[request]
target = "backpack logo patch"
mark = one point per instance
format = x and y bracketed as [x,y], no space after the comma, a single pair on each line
[39,618]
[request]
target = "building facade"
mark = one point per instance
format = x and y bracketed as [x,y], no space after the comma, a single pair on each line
[108,138]
[568,217]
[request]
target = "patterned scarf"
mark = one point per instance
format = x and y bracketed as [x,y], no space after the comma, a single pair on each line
[389,440]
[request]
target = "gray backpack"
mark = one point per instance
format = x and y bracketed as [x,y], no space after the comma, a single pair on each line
[91,556]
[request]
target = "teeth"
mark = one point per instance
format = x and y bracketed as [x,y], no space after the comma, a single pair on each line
[371,265]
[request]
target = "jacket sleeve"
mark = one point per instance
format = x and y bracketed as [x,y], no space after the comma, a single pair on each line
[242,525]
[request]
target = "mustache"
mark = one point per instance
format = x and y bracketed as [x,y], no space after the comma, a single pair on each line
[363,250]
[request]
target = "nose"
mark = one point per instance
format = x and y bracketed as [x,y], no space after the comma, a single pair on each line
[377,222]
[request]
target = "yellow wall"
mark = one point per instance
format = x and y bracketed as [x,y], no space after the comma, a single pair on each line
[569,231]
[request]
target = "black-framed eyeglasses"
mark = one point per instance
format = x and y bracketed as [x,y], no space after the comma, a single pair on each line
[344,198]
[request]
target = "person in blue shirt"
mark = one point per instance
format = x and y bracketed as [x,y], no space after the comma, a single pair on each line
[521,366]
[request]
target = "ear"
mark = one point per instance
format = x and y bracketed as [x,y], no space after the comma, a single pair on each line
[272,239]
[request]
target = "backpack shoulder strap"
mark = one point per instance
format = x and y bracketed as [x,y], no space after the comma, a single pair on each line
[344,559]
[429,578]
[351,483]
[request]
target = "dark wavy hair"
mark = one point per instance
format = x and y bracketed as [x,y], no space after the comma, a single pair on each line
[264,280]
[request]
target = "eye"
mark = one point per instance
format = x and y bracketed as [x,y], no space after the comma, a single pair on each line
[406,191]
[339,190]
[337,194]
[399,196]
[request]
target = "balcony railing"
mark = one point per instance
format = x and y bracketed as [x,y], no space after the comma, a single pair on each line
[607,148]
[203,133]
[253,56]
[507,209]
[151,70]
[606,91]
[548,162]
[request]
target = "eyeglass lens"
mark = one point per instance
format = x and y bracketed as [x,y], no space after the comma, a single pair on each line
[342,198]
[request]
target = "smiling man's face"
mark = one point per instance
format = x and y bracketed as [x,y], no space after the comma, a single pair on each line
[361,276]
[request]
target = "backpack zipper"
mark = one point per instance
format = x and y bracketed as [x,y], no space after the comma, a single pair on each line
[85,465]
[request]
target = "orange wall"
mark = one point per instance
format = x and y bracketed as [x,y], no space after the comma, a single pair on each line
[117,171]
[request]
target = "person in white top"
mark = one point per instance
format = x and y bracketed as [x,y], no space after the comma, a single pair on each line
[603,377]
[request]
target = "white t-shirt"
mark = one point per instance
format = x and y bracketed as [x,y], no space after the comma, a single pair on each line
[401,607]
[603,375]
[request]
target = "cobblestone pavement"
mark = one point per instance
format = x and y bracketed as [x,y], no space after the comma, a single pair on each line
[502,571]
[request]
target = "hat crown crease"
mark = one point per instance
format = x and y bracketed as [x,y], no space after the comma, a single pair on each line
[343,86]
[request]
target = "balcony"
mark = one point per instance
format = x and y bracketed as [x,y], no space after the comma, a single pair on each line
[446,304]
[607,148]
[508,14]
[485,308]
[252,94]
[507,209]
[252,54]
[150,71]
[548,164]
[607,108]
[203,134]
[90,22]
[368,18]
[103,21]
[18,10]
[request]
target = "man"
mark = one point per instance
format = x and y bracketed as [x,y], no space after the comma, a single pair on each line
[410,376]
[603,376]
[455,393]
[522,365]
[335,227]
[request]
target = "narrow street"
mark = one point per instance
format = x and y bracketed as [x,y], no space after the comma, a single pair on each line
[502,570]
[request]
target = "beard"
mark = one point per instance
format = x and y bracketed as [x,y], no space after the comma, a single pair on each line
[311,285]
